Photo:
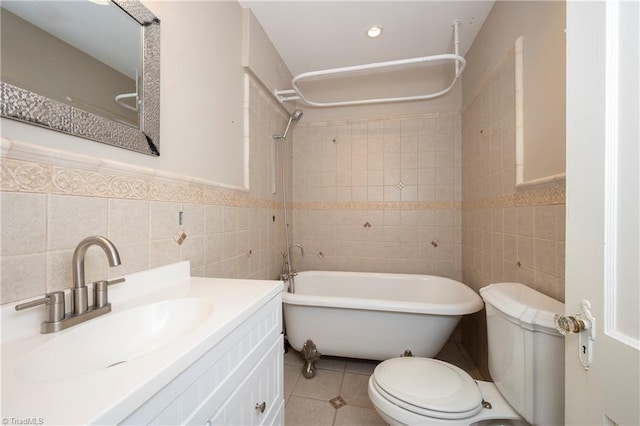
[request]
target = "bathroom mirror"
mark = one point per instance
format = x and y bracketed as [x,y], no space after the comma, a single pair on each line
[90,68]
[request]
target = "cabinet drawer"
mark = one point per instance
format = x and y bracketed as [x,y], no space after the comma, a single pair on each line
[262,385]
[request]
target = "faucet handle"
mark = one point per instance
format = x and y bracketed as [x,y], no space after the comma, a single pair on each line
[116,281]
[54,302]
[101,292]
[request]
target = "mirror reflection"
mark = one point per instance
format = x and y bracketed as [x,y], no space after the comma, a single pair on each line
[86,54]
[114,100]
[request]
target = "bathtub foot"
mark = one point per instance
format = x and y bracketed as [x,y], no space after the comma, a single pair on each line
[311,355]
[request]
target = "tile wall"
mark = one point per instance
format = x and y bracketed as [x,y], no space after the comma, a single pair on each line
[372,195]
[508,234]
[49,203]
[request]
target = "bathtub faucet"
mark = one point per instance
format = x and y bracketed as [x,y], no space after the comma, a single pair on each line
[287,272]
[296,245]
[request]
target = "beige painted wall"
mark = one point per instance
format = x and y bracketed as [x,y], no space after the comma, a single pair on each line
[542,26]
[260,57]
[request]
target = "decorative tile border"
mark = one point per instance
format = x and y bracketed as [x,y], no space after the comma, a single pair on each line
[546,196]
[58,172]
[551,195]
[377,205]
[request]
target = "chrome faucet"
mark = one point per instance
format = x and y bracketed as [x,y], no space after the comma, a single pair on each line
[295,245]
[287,272]
[56,316]
[79,297]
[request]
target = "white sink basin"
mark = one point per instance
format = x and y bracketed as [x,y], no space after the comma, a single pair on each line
[114,339]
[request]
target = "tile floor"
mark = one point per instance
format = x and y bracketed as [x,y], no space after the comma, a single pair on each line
[342,383]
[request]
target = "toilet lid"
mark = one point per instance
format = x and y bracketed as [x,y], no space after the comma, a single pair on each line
[429,387]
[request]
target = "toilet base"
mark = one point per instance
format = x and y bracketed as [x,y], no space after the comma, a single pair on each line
[501,412]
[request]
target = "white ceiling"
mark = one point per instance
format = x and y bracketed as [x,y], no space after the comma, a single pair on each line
[316,35]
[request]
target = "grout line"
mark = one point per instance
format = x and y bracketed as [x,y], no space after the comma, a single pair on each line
[335,414]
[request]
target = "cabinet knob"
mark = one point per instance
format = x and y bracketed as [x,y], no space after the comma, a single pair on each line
[261,407]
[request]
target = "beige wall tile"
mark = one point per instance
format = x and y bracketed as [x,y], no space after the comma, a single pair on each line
[526,221]
[213,222]
[23,223]
[526,251]
[128,221]
[193,219]
[163,252]
[163,220]
[229,244]
[546,284]
[510,220]
[23,276]
[230,219]
[134,257]
[546,256]
[212,248]
[71,219]
[192,249]
[546,222]
[213,269]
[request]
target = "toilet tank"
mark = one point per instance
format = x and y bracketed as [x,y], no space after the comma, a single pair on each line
[526,353]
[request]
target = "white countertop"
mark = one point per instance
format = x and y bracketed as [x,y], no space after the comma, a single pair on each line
[109,395]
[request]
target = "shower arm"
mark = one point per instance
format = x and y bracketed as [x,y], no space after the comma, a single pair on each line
[286,130]
[295,116]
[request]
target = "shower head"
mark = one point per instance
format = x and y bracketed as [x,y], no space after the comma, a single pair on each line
[295,117]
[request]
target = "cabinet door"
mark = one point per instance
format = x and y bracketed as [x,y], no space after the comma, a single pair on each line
[263,385]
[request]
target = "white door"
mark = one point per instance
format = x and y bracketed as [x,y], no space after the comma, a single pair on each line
[602,261]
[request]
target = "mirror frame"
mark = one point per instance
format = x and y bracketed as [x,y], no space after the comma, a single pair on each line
[23,105]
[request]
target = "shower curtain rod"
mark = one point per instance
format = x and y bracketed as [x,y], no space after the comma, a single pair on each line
[296,94]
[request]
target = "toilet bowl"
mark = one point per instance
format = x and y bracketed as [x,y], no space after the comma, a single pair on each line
[526,361]
[423,391]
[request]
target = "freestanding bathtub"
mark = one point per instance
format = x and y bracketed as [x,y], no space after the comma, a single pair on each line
[375,316]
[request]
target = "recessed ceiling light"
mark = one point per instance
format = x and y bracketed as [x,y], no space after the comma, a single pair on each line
[100,2]
[374,31]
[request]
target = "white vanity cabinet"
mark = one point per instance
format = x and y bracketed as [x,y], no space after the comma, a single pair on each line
[258,400]
[231,382]
[175,349]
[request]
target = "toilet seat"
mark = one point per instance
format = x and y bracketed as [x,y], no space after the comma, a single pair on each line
[428,387]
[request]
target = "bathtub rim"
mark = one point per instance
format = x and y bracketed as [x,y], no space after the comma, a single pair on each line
[472,305]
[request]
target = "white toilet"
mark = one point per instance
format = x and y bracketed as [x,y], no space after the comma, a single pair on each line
[526,361]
